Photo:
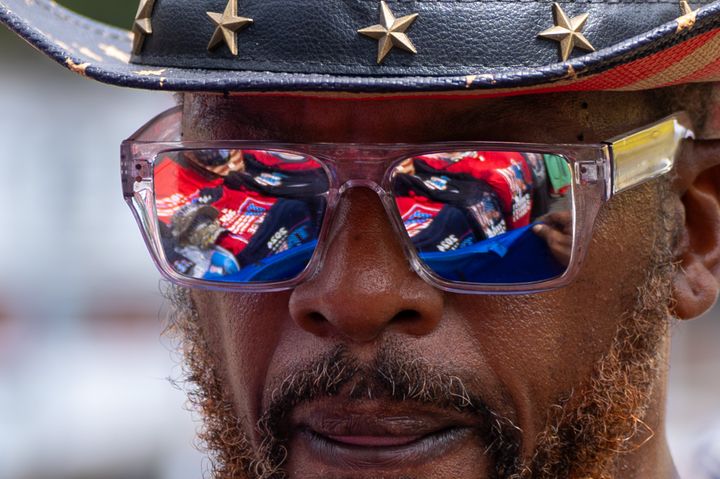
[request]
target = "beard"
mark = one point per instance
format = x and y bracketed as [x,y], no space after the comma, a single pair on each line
[585,434]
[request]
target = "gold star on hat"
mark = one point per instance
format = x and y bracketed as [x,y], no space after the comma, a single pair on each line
[142,26]
[227,25]
[568,32]
[685,7]
[390,32]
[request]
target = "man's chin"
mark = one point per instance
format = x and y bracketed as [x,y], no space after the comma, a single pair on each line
[452,453]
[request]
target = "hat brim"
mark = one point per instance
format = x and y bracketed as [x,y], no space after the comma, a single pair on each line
[682,51]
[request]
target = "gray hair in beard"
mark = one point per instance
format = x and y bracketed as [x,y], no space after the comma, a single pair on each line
[393,375]
[585,434]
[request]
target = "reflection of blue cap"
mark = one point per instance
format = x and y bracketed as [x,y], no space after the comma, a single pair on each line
[449,230]
[278,267]
[288,224]
[517,256]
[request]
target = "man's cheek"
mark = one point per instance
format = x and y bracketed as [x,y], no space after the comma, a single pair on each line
[242,332]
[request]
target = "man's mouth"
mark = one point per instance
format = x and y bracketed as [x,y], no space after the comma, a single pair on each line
[377,434]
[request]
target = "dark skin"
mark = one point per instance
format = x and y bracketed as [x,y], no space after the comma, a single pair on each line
[522,352]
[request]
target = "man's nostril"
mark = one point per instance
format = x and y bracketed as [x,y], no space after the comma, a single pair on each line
[316,318]
[406,316]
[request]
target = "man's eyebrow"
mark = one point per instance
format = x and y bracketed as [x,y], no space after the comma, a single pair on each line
[246,126]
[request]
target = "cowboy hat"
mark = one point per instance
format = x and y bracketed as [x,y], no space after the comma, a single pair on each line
[470,47]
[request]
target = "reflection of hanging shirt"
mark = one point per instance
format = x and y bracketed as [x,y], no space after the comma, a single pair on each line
[506,172]
[475,197]
[176,186]
[417,212]
[278,161]
[241,214]
[511,179]
[541,191]
[434,226]
[488,214]
[559,174]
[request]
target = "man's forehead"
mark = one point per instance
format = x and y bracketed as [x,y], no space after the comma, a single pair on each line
[552,118]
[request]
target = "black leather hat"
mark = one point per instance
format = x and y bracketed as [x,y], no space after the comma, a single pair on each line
[477,47]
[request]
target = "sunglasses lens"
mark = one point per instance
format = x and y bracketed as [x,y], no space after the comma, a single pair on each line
[488,217]
[240,216]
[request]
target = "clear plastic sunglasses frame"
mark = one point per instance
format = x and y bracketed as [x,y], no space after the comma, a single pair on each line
[599,171]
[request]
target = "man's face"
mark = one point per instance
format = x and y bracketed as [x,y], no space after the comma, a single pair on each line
[365,370]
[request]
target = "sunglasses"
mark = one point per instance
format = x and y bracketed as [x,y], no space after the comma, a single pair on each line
[472,217]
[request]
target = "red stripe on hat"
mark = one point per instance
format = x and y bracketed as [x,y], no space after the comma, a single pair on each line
[710,73]
[627,74]
[617,78]
[630,73]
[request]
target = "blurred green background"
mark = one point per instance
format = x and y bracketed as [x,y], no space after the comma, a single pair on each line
[119,13]
[116,12]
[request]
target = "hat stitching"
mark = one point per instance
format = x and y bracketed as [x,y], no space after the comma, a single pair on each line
[582,71]
[623,59]
[611,2]
[309,82]
[654,45]
[106,33]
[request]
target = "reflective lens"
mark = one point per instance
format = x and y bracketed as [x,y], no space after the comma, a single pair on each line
[491,217]
[239,215]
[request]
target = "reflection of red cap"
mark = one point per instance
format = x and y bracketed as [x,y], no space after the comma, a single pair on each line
[506,172]
[176,186]
[282,160]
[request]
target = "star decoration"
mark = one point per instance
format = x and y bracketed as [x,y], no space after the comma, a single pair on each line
[568,32]
[227,25]
[142,25]
[390,32]
[685,7]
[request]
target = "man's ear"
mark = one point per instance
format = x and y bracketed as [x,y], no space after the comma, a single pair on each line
[697,281]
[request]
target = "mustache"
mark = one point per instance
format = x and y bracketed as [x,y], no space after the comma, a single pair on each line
[392,375]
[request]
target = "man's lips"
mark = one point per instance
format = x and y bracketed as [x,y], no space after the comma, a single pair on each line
[378,434]
[374,441]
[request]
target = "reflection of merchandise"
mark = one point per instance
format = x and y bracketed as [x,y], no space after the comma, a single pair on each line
[211,226]
[288,225]
[211,157]
[195,224]
[208,196]
[512,182]
[421,196]
[506,172]
[205,263]
[541,195]
[176,186]
[559,174]
[189,244]
[275,174]
[417,212]
[278,161]
[488,214]
[516,256]
[241,214]
[450,230]
[297,184]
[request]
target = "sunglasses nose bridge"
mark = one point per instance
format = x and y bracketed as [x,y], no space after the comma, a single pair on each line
[362,168]
[361,183]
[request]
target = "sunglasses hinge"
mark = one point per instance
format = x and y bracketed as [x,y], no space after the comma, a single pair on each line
[133,171]
[587,172]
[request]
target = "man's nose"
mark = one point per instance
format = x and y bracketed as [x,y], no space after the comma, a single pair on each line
[365,286]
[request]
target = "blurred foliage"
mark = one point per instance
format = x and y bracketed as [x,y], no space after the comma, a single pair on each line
[115,12]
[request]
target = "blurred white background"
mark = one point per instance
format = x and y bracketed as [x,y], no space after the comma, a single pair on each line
[83,369]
